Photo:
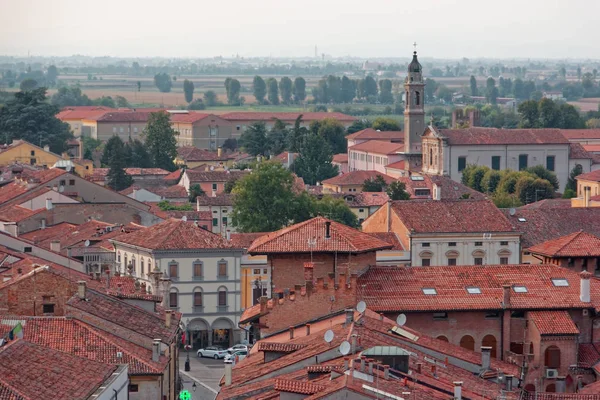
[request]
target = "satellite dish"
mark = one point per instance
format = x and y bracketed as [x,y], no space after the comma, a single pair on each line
[61,189]
[361,307]
[87,243]
[329,336]
[401,320]
[184,218]
[512,211]
[68,168]
[345,347]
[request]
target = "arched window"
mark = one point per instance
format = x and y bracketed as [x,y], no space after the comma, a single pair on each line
[430,156]
[552,357]
[142,267]
[133,271]
[443,338]
[490,341]
[504,255]
[478,256]
[222,297]
[426,257]
[452,255]
[174,298]
[198,298]
[467,342]
[222,269]
[417,98]
[124,261]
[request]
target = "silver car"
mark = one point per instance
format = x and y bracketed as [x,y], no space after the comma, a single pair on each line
[212,352]
[230,358]
[237,347]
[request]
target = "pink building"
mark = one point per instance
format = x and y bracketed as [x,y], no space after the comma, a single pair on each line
[374,155]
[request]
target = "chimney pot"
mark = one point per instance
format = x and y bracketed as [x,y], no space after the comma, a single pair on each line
[291,332]
[458,390]
[419,368]
[307,329]
[81,289]
[386,371]
[584,286]
[506,301]
[228,235]
[560,384]
[486,353]
[363,360]
[346,360]
[509,379]
[219,151]
[156,350]
[228,374]
[349,316]
[49,204]
[168,314]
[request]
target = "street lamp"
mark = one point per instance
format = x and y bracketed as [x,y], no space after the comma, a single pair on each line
[187,348]
[194,387]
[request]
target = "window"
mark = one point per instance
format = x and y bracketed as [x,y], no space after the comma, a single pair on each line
[440,315]
[492,314]
[361,210]
[426,262]
[550,163]
[522,161]
[237,128]
[429,291]
[48,308]
[520,289]
[215,221]
[422,192]
[224,221]
[430,156]
[173,300]
[32,161]
[425,244]
[32,152]
[71,182]
[496,162]
[135,130]
[256,271]
[63,183]
[214,186]
[504,243]
[121,129]
[478,244]
[478,261]
[462,163]
[173,270]
[264,270]
[452,261]
[198,299]
[452,244]
[133,388]
[560,282]
[473,290]
[521,219]
[222,269]
[552,357]
[114,129]
[27,249]
[142,267]
[222,297]
[119,257]
[503,260]
[517,314]
[197,267]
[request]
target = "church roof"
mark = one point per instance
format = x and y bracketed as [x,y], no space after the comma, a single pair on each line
[414,65]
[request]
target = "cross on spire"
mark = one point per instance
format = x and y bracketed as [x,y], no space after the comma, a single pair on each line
[415,46]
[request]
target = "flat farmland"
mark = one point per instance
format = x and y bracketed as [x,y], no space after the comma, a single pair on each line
[589,104]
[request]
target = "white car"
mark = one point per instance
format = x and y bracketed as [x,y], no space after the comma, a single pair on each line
[238,347]
[212,352]
[240,354]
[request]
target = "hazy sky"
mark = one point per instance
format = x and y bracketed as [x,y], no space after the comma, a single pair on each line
[372,28]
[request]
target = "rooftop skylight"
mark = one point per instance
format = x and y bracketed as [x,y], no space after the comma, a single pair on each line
[520,289]
[560,282]
[429,291]
[473,290]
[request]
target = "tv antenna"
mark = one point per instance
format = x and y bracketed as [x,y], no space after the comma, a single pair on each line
[361,307]
[329,336]
[401,320]
[345,347]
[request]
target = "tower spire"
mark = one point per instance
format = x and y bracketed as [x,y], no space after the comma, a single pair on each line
[414,112]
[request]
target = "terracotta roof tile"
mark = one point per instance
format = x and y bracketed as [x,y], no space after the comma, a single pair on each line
[592,148]
[174,176]
[285,116]
[397,165]
[189,117]
[38,372]
[293,239]
[590,176]
[194,154]
[222,199]
[245,240]
[174,234]
[85,112]
[372,134]
[401,288]
[592,391]
[389,237]
[378,147]
[214,176]
[356,178]
[279,347]
[588,354]
[340,158]
[578,152]
[294,386]
[448,216]
[553,322]
[102,172]
[572,134]
[123,116]
[577,244]
[479,136]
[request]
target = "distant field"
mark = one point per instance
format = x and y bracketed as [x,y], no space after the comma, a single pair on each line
[589,104]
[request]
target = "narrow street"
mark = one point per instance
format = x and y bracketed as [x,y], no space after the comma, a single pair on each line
[206,372]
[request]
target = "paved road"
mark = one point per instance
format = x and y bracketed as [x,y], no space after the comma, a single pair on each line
[205,371]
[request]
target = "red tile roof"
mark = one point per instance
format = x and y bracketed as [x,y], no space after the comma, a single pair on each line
[389,237]
[285,116]
[592,148]
[294,386]
[365,199]
[174,176]
[102,172]
[482,136]
[397,165]
[588,354]
[279,347]
[357,178]
[572,134]
[167,192]
[245,240]
[553,322]
[123,116]
[214,176]
[174,234]
[222,199]
[372,134]
[37,372]
[340,158]
[590,176]
[190,117]
[449,216]
[194,154]
[378,147]
[15,213]
[577,152]
[293,239]
[577,244]
[85,112]
[400,289]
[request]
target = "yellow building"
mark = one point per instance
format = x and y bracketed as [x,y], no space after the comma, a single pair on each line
[20,151]
[256,272]
[193,157]
[82,119]
[588,190]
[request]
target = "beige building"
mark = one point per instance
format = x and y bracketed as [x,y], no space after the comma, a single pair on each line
[241,120]
[127,125]
[220,207]
[79,118]
[204,131]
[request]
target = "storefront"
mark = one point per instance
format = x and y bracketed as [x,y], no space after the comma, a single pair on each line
[198,333]
[222,333]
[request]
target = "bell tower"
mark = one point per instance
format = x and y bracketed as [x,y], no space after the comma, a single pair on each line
[414,112]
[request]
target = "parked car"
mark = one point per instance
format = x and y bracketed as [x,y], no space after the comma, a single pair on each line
[238,347]
[212,352]
[240,354]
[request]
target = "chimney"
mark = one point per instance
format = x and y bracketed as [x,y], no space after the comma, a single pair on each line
[49,205]
[219,151]
[168,318]
[586,196]
[437,192]
[371,362]
[156,350]
[458,390]
[214,193]
[363,362]
[419,368]
[506,301]
[43,221]
[327,230]
[509,381]
[389,215]
[55,246]
[349,316]
[386,371]
[290,159]
[486,353]
[291,332]
[353,344]
[228,235]
[81,288]
[560,384]
[346,363]
[228,374]
[307,329]
[584,288]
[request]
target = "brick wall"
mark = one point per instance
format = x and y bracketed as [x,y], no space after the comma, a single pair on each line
[288,269]
[307,302]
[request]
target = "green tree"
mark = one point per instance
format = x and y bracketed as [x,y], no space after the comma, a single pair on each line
[508,181]
[195,191]
[543,173]
[385,91]
[529,189]
[70,96]
[572,182]
[285,87]
[333,132]
[549,116]
[29,116]
[491,91]
[489,182]
[51,75]
[473,83]
[374,185]
[348,89]
[117,179]
[233,87]
[397,191]
[370,87]
[229,185]
[528,114]
[165,205]
[28,85]
[89,146]
[314,163]
[188,90]
[112,146]
[254,139]
[569,194]
[210,98]
[386,124]
[105,101]
[268,191]
[277,138]
[506,200]
[230,144]
[299,89]
[122,102]
[519,89]
[139,155]
[259,88]
[161,140]
[272,91]
[163,82]
[197,104]
[297,136]
[359,125]
[336,210]
[139,86]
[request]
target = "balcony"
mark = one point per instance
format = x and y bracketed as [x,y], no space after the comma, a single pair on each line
[222,308]
[198,309]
